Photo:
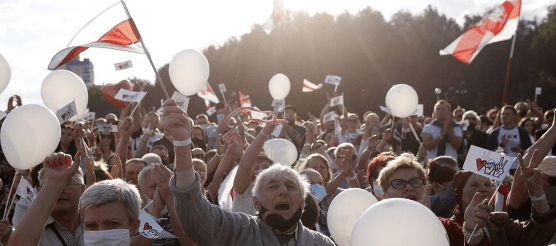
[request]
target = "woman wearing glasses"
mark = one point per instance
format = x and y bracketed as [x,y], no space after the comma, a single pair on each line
[404,177]
[107,145]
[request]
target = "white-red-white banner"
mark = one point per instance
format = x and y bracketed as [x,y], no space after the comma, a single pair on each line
[499,25]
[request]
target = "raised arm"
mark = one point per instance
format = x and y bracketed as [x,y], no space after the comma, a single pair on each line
[58,171]
[126,129]
[249,158]
[518,196]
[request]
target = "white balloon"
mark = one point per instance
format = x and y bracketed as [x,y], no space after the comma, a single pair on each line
[279,86]
[29,134]
[399,221]
[5,73]
[280,151]
[189,71]
[60,88]
[402,100]
[341,221]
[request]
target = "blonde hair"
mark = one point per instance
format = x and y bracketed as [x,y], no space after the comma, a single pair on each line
[405,160]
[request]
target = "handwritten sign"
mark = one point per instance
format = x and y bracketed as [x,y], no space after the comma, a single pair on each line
[66,112]
[130,96]
[107,128]
[487,163]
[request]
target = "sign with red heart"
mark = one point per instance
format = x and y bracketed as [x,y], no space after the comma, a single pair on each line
[480,163]
[109,92]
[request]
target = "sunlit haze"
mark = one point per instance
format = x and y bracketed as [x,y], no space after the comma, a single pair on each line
[32,31]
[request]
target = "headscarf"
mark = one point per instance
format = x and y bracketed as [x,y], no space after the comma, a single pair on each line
[460,179]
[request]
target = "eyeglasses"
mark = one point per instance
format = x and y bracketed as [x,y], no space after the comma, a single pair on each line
[71,185]
[470,119]
[399,184]
[106,136]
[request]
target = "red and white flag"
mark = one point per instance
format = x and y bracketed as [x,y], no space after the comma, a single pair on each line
[123,36]
[276,16]
[208,94]
[310,87]
[499,25]
[245,100]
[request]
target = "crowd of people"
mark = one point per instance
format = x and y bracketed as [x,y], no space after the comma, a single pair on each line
[211,183]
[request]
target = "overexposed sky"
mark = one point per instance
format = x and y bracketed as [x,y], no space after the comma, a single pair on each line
[32,31]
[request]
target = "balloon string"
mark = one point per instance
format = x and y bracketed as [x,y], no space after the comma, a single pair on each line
[9,194]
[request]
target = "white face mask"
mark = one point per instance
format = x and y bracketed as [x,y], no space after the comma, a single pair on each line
[377,189]
[114,237]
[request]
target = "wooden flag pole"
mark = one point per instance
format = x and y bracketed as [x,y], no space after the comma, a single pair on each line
[147,53]
[505,95]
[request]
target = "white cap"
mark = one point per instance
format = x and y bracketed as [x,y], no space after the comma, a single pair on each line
[548,166]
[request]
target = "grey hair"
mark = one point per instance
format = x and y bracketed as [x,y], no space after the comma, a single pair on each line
[279,170]
[142,176]
[112,190]
[151,158]
[77,177]
[344,146]
[471,112]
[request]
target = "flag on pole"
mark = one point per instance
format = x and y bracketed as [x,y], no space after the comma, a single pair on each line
[276,16]
[310,87]
[222,88]
[499,25]
[123,65]
[208,94]
[330,116]
[26,191]
[123,36]
[245,100]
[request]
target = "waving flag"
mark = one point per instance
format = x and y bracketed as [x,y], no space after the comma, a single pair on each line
[123,65]
[276,16]
[123,36]
[208,94]
[310,87]
[245,100]
[499,25]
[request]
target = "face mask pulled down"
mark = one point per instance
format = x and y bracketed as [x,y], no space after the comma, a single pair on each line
[278,222]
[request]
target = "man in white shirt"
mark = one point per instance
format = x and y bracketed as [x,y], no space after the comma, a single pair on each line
[442,136]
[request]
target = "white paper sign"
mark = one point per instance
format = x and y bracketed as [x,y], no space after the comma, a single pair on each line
[66,112]
[538,90]
[148,227]
[107,128]
[211,111]
[332,79]
[419,110]
[330,116]
[123,65]
[487,163]
[89,116]
[182,100]
[222,88]
[130,96]
[26,191]
[339,100]
[277,131]
[385,109]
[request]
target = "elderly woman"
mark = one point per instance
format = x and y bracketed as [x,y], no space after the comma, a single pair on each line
[472,192]
[279,192]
